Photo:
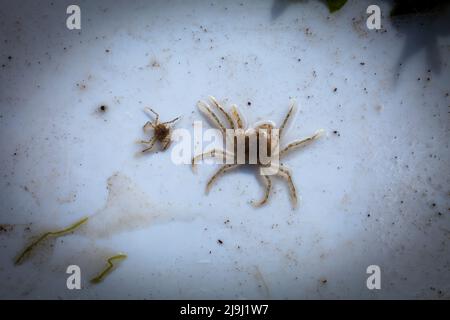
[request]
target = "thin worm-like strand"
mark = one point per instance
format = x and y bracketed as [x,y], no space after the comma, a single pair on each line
[57,233]
[221,109]
[101,275]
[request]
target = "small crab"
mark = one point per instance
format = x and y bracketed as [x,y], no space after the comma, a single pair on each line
[162,131]
[243,135]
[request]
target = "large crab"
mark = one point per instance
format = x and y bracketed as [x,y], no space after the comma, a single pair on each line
[261,134]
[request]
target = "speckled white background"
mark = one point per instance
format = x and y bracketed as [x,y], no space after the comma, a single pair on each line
[375,189]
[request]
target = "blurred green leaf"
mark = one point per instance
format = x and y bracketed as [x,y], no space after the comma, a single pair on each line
[335,5]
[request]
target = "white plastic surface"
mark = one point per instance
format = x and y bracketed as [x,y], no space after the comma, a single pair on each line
[374,190]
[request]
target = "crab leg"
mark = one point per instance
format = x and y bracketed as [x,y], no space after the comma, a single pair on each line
[206,110]
[172,121]
[148,125]
[268,186]
[166,142]
[151,143]
[214,153]
[222,170]
[284,172]
[221,109]
[288,115]
[298,143]
[148,110]
[235,113]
